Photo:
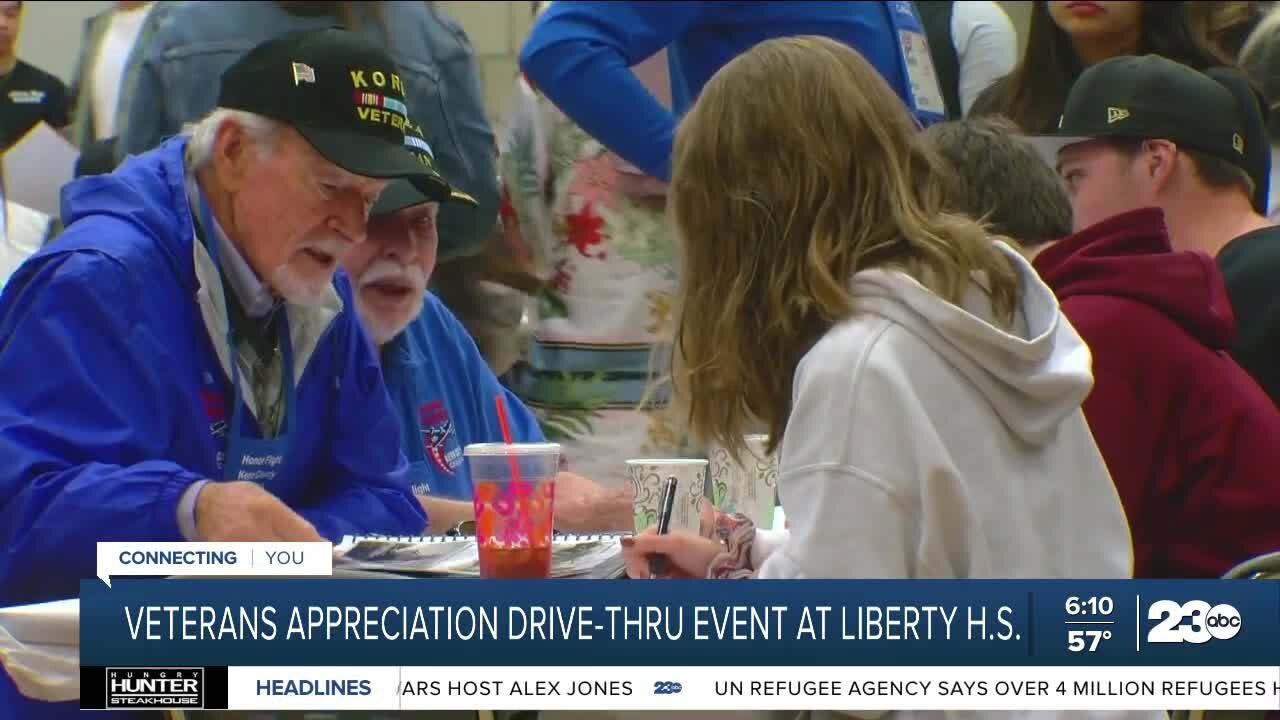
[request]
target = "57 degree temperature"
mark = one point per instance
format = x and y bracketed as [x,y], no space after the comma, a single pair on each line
[1086,640]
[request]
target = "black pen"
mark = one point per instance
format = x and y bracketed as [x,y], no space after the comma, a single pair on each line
[658,563]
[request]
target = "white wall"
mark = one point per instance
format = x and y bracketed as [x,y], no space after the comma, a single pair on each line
[50,37]
[497,30]
[1020,12]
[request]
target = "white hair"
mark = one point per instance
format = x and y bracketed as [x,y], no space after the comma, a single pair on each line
[261,129]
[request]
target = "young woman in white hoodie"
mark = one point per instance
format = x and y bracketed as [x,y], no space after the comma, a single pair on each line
[921,383]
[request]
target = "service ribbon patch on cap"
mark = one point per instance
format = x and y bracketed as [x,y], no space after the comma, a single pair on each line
[381,101]
[418,143]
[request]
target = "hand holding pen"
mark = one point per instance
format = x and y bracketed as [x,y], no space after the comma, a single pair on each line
[658,552]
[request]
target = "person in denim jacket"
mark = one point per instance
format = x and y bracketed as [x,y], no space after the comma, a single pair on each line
[105,47]
[179,57]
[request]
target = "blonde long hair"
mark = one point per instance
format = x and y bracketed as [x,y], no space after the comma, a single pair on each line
[796,168]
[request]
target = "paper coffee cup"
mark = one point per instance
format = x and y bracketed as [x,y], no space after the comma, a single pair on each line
[648,477]
[746,484]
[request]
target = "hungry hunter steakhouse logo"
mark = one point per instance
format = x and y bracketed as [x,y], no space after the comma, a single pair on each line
[155,687]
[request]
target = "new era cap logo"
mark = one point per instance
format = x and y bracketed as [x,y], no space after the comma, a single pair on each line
[1115,114]
[1237,142]
[303,73]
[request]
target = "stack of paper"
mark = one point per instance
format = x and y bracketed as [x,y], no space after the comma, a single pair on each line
[36,167]
[50,623]
[40,649]
[572,556]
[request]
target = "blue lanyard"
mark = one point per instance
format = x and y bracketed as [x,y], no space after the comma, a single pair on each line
[235,439]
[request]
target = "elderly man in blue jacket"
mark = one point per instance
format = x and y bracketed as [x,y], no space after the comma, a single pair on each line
[178,365]
[441,386]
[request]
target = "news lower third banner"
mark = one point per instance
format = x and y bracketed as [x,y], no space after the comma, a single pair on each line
[339,644]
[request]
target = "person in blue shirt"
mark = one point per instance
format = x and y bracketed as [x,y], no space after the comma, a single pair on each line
[443,390]
[577,48]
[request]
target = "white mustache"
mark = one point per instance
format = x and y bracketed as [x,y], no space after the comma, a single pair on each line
[331,246]
[383,270]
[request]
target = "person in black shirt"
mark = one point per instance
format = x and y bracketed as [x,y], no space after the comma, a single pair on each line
[1249,263]
[27,93]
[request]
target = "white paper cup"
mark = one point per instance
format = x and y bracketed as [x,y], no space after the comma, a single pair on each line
[747,484]
[648,478]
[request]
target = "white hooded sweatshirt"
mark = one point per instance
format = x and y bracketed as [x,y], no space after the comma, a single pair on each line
[926,442]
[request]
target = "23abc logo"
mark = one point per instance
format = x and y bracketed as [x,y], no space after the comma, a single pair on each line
[666,687]
[1192,622]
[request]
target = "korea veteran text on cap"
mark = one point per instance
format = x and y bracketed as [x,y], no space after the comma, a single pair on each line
[340,92]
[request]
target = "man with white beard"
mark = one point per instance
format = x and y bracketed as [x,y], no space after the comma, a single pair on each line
[440,384]
[177,365]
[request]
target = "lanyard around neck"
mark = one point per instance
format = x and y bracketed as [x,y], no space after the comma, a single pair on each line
[205,230]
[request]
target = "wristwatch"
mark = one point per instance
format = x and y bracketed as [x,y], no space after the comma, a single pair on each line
[466,528]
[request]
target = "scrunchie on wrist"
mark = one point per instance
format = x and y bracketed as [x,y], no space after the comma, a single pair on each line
[737,533]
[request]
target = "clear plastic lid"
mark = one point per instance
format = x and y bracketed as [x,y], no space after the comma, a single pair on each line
[503,449]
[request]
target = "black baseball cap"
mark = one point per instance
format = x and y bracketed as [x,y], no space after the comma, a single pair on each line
[403,193]
[340,92]
[1150,96]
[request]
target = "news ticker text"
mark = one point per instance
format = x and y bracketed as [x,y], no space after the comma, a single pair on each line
[680,688]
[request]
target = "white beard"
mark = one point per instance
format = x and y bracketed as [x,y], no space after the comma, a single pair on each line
[383,329]
[298,291]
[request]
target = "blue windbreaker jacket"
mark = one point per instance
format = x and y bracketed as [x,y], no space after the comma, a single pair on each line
[113,401]
[444,392]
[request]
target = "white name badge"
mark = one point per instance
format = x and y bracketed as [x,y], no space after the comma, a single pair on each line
[925,87]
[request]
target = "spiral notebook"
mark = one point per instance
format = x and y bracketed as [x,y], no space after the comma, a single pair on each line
[596,555]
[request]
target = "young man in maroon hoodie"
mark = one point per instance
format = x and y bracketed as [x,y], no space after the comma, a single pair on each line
[1191,441]
[1148,132]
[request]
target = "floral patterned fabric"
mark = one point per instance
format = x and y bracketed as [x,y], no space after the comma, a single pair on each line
[594,230]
